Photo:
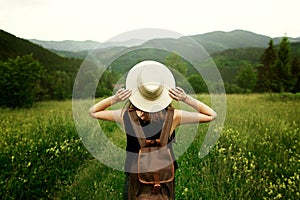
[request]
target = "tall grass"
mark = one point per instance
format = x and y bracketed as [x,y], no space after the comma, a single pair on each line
[40,151]
[256,157]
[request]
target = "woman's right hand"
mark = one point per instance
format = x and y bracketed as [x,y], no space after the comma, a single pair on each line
[122,94]
[177,93]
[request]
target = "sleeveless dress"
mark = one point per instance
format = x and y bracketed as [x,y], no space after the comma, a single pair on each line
[152,131]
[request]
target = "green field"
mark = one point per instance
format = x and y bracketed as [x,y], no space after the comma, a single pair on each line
[256,157]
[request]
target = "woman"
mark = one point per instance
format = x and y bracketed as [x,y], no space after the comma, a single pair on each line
[150,88]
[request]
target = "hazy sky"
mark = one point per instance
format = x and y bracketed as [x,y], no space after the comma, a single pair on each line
[101,20]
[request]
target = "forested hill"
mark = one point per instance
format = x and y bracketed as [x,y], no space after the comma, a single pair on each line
[29,72]
[12,46]
[212,42]
[219,40]
[50,76]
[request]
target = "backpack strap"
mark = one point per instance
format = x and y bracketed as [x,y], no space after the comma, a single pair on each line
[164,135]
[165,132]
[137,128]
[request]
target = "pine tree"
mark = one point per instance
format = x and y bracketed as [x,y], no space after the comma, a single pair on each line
[295,70]
[282,80]
[264,72]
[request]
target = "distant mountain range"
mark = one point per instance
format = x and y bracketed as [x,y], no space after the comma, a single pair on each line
[67,45]
[229,50]
[212,42]
[77,46]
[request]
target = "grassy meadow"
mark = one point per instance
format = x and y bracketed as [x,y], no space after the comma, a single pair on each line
[257,155]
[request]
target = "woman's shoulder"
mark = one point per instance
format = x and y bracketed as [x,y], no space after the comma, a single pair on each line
[176,115]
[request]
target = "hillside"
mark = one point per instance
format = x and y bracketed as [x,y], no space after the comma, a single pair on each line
[67,45]
[12,46]
[58,74]
[230,61]
[83,46]
[212,42]
[230,51]
[219,41]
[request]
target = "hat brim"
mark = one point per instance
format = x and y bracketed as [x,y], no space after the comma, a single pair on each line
[146,105]
[138,100]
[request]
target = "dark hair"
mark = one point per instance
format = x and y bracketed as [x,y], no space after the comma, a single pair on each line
[152,116]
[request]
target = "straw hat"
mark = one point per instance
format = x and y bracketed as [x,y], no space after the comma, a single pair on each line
[149,82]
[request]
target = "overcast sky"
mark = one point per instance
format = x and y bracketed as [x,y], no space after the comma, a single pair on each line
[101,20]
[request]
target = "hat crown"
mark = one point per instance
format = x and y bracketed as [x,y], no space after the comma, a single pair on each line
[151,91]
[150,83]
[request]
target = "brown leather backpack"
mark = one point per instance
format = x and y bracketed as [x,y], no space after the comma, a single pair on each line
[154,179]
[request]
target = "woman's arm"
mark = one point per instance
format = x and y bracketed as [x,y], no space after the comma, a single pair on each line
[99,111]
[204,113]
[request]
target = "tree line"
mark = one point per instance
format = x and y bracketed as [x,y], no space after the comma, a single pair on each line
[24,80]
[278,71]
